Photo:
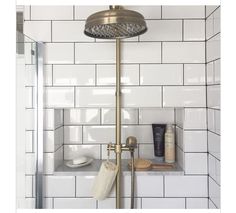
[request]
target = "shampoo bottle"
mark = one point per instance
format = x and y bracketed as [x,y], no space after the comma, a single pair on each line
[169,144]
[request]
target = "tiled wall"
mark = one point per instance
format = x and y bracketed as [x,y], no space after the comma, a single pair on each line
[213,102]
[164,81]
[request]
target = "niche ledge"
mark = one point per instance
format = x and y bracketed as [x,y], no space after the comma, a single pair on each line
[94,167]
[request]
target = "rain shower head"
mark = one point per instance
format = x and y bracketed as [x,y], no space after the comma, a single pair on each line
[115,23]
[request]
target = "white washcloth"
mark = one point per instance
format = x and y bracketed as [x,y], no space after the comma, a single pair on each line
[104,181]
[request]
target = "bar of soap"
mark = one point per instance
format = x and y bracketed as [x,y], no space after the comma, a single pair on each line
[80,160]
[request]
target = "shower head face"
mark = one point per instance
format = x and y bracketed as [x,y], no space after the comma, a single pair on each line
[115,23]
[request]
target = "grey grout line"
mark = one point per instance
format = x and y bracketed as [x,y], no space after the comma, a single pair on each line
[51,32]
[182,29]
[206,17]
[30,12]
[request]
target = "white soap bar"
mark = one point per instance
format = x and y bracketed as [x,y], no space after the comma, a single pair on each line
[80,160]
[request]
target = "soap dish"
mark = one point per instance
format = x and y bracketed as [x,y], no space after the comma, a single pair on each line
[71,165]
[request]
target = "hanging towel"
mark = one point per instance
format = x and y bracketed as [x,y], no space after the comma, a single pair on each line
[104,181]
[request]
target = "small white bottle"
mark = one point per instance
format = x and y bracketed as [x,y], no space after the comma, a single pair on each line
[169,144]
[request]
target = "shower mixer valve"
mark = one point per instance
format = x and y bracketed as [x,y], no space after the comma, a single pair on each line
[131,144]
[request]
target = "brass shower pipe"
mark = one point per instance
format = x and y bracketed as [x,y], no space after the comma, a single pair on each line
[118,147]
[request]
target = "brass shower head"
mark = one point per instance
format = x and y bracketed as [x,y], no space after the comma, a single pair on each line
[116,22]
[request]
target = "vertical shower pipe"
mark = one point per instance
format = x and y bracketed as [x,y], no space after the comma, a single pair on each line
[39,127]
[118,148]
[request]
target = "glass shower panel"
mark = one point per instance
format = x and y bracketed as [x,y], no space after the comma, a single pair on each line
[26,81]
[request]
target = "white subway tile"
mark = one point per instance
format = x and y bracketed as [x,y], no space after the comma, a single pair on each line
[149,96]
[29,203]
[180,137]
[59,186]
[142,52]
[106,74]
[74,151]
[38,30]
[146,151]
[143,133]
[210,73]
[153,115]
[95,97]
[183,52]
[211,119]
[51,12]
[214,192]
[30,77]
[59,53]
[214,144]
[197,203]
[81,116]
[29,121]
[217,72]
[195,163]
[72,134]
[209,26]
[98,134]
[184,96]
[48,139]
[48,203]
[194,30]
[58,137]
[59,97]
[73,75]
[211,204]
[179,114]
[48,159]
[212,166]
[53,139]
[84,186]
[161,74]
[108,203]
[149,12]
[30,163]
[128,116]
[217,121]
[213,96]
[213,48]
[74,203]
[210,9]
[183,12]
[28,186]
[195,118]
[194,74]
[82,12]
[58,157]
[186,186]
[69,31]
[218,171]
[26,12]
[94,53]
[216,24]
[105,97]
[163,30]
[163,203]
[180,157]
[29,97]
[29,59]
[28,141]
[149,186]
[195,141]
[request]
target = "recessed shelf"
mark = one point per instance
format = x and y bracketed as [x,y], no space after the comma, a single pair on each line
[94,167]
